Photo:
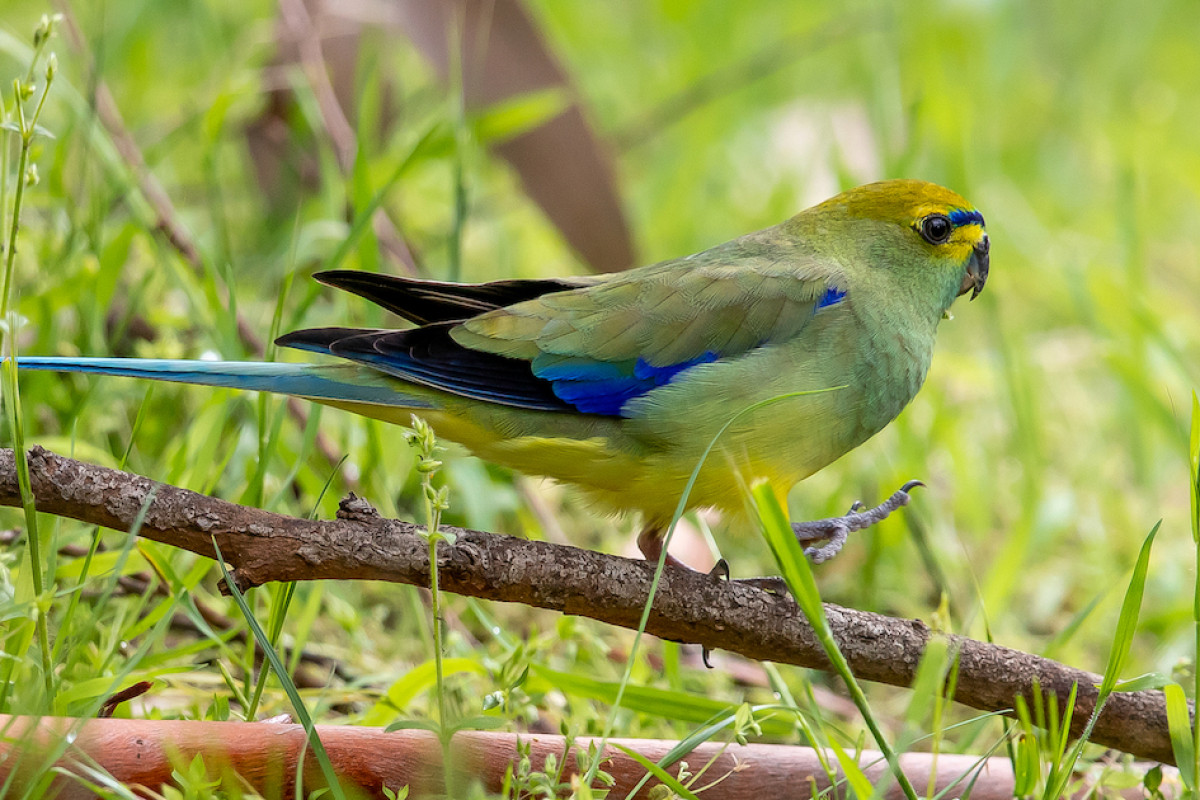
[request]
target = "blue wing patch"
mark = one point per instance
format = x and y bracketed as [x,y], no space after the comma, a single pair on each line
[428,356]
[601,387]
[832,297]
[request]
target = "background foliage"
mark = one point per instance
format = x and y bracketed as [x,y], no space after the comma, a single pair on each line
[1052,430]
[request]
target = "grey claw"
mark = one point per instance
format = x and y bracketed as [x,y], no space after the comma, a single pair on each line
[720,570]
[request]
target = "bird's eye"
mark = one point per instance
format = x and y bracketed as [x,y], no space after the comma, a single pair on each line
[936,228]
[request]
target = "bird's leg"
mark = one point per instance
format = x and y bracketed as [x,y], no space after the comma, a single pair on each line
[834,531]
[650,542]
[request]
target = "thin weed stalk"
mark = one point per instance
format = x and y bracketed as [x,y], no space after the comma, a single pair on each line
[436,500]
[1194,480]
[26,128]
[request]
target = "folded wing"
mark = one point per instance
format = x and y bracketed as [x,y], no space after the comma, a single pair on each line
[587,347]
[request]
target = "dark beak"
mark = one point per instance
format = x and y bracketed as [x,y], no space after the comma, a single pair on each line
[977,270]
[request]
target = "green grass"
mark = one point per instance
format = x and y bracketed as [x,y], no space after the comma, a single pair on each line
[1052,430]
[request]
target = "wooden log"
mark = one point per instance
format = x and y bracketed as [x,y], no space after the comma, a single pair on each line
[265,755]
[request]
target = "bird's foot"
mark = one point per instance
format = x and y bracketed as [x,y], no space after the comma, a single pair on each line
[834,531]
[767,583]
[353,507]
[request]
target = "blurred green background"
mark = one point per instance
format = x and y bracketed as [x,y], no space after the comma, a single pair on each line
[1052,430]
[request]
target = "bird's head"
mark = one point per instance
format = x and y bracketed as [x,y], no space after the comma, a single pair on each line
[935,227]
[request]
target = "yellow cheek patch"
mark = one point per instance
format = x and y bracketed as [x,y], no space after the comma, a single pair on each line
[962,242]
[968,235]
[971,231]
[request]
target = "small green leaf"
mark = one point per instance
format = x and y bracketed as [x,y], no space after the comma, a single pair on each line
[1150,680]
[517,115]
[1127,622]
[479,723]
[413,725]
[392,794]
[860,784]
[1153,778]
[665,777]
[1194,452]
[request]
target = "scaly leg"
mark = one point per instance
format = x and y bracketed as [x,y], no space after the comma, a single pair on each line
[834,531]
[650,542]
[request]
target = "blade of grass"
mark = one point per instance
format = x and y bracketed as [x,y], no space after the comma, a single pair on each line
[281,599]
[1122,642]
[1194,458]
[789,555]
[289,687]
[1179,727]
[363,216]
[858,781]
[27,129]
[690,743]
[665,777]
[666,703]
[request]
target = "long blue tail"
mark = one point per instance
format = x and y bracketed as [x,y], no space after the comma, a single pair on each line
[344,382]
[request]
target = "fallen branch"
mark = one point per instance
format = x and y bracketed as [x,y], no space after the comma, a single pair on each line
[265,755]
[689,607]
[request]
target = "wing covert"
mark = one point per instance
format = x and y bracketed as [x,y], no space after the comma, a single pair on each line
[602,345]
[590,348]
